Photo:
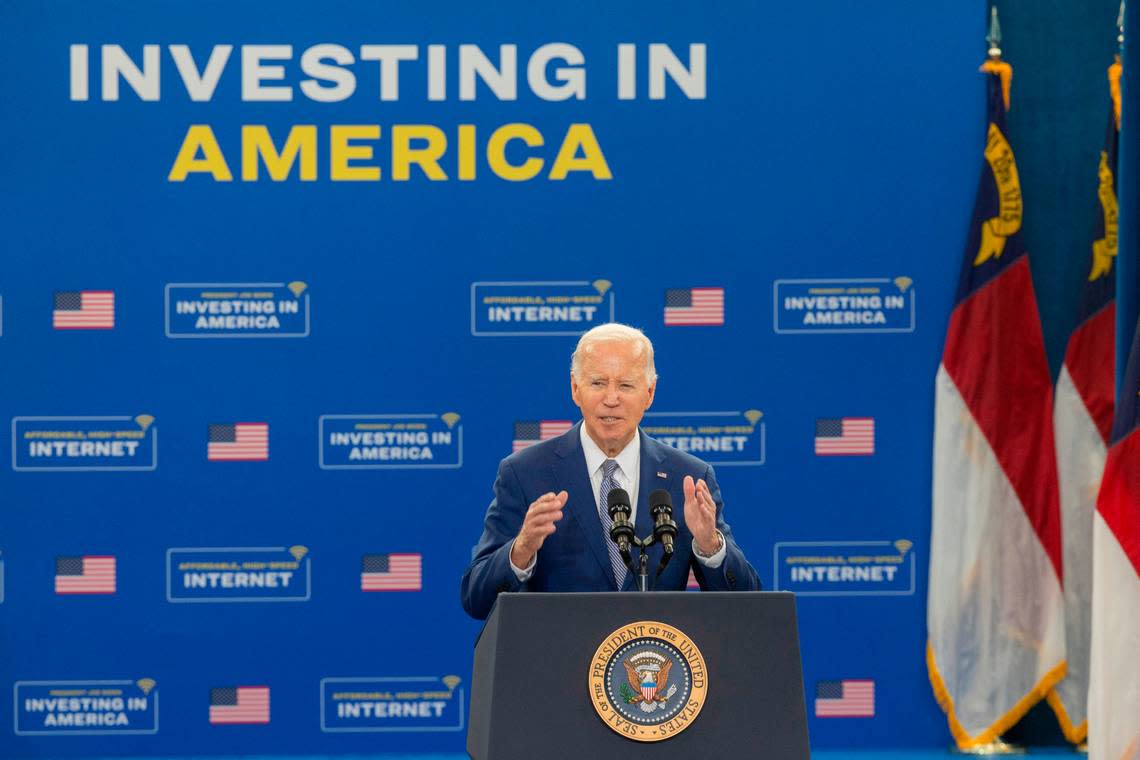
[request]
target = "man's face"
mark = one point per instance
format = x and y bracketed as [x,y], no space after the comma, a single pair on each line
[612,394]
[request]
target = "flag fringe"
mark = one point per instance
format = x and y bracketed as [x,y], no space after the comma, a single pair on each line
[1114,72]
[1004,72]
[1074,734]
[1005,722]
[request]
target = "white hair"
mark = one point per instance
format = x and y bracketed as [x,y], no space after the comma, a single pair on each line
[613,332]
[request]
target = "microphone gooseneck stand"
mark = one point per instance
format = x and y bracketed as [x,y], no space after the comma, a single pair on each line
[622,533]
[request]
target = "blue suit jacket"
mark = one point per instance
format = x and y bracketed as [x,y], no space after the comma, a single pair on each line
[575,556]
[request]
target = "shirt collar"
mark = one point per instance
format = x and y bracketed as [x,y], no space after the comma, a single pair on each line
[627,458]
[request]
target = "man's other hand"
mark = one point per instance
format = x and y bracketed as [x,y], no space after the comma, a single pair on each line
[537,525]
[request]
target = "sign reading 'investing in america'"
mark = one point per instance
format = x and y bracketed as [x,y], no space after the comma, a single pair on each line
[390,441]
[237,310]
[870,305]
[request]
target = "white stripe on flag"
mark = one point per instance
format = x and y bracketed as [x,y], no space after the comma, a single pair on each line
[98,578]
[97,309]
[405,573]
[995,611]
[252,707]
[1114,667]
[1081,454]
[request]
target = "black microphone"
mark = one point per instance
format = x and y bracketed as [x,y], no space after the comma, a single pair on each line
[622,531]
[665,530]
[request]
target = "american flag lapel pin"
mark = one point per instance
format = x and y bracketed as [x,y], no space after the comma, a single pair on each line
[661,475]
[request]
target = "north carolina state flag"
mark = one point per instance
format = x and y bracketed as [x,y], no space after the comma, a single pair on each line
[1114,665]
[995,616]
[1082,418]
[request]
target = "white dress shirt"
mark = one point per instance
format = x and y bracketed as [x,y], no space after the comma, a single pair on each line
[627,476]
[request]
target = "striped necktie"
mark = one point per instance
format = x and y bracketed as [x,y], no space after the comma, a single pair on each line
[609,467]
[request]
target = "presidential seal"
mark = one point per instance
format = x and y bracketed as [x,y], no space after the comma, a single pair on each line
[648,681]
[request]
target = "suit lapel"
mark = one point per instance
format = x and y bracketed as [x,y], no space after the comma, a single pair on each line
[570,469]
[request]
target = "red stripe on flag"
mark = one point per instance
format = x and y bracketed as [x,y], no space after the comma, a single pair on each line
[1119,498]
[96,311]
[692,584]
[995,355]
[98,578]
[405,573]
[252,707]
[1091,359]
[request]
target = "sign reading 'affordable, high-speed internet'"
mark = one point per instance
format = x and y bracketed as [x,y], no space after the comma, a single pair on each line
[84,443]
[719,438]
[845,568]
[540,308]
[238,574]
[405,704]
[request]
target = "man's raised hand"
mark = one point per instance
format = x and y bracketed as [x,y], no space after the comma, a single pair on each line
[537,525]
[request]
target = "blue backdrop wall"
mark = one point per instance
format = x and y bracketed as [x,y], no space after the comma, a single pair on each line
[765,153]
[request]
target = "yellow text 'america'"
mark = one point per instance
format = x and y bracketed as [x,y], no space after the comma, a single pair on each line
[514,152]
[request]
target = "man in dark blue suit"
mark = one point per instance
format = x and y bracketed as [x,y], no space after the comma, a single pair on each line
[527,542]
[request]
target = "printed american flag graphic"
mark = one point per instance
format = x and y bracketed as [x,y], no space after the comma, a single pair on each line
[692,584]
[238,442]
[846,436]
[530,432]
[845,699]
[239,704]
[84,310]
[391,572]
[85,575]
[694,306]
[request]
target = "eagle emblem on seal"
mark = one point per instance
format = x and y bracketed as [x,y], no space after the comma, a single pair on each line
[647,672]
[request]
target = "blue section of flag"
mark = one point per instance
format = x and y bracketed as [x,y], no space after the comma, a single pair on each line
[829,690]
[374,563]
[1100,290]
[988,207]
[1128,188]
[828,428]
[527,431]
[1128,403]
[223,696]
